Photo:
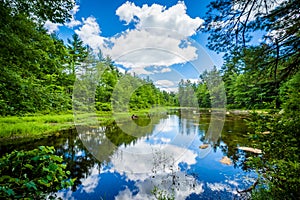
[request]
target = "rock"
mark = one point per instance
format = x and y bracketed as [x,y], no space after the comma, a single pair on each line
[203,146]
[225,160]
[253,150]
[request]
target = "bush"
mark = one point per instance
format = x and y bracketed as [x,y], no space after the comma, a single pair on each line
[103,106]
[279,165]
[32,174]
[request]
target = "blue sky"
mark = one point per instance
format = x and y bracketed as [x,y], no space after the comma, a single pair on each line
[150,38]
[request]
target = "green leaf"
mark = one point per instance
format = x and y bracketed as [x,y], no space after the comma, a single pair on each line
[10,192]
[49,177]
[28,166]
[30,185]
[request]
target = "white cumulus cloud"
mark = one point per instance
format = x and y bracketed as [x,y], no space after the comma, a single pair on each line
[73,22]
[174,18]
[51,27]
[90,33]
[159,37]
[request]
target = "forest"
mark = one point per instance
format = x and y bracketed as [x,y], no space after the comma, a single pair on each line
[38,72]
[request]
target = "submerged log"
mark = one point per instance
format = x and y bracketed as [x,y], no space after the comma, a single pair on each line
[253,150]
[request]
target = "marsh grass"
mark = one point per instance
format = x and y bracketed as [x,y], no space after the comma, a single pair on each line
[33,126]
[38,125]
[44,125]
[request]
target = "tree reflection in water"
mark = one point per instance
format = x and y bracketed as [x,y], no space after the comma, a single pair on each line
[170,167]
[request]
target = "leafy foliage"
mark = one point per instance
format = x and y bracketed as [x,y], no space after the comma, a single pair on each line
[208,92]
[280,164]
[146,96]
[263,74]
[32,64]
[32,174]
[77,53]
[186,94]
[57,11]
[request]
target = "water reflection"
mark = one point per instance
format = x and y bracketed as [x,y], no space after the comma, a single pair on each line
[112,164]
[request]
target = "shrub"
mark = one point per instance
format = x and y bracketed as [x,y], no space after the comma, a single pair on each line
[32,174]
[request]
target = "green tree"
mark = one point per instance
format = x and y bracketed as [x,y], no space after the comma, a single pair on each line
[57,11]
[278,136]
[249,83]
[186,94]
[32,62]
[77,53]
[259,74]
[203,95]
[215,86]
[106,85]
[231,25]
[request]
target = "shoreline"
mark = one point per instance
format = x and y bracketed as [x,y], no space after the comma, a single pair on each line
[39,126]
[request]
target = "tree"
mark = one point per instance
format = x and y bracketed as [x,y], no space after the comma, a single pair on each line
[203,96]
[32,64]
[106,85]
[278,136]
[77,53]
[260,73]
[231,25]
[215,86]
[57,11]
[186,94]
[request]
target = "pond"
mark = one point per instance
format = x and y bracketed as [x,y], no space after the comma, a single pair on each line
[129,159]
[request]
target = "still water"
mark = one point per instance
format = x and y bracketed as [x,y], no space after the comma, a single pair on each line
[127,159]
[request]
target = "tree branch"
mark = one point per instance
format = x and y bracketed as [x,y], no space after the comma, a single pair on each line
[250,188]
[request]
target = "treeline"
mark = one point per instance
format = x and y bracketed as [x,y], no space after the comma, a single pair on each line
[238,86]
[256,74]
[116,91]
[208,92]
[38,70]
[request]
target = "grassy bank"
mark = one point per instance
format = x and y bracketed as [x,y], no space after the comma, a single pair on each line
[38,125]
[34,126]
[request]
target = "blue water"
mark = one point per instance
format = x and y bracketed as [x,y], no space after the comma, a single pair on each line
[164,154]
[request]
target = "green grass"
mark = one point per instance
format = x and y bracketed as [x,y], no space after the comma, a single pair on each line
[38,126]
[34,126]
